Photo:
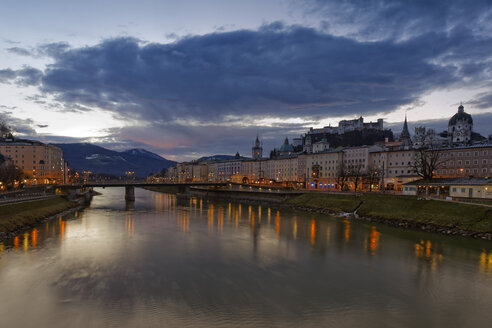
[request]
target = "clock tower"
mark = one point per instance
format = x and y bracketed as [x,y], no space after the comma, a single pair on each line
[257,150]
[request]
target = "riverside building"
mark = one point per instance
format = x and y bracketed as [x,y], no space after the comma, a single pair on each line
[41,163]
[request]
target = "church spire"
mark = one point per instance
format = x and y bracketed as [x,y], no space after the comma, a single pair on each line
[405,134]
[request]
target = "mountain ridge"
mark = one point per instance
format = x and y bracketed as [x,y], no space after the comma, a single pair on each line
[97,159]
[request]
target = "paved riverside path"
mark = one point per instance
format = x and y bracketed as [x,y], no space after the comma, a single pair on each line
[26,199]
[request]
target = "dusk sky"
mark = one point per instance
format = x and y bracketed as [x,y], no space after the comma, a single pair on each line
[191,78]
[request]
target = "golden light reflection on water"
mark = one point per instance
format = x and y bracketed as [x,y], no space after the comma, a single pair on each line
[346,230]
[425,251]
[277,224]
[34,238]
[160,201]
[485,265]
[26,241]
[312,232]
[220,219]
[184,221]
[373,240]
[210,217]
[62,227]
[129,223]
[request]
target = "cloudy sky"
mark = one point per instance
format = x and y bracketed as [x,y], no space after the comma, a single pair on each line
[190,78]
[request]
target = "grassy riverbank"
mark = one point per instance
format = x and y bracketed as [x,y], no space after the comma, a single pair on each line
[19,215]
[397,208]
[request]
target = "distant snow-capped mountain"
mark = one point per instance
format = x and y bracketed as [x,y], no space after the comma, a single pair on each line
[86,156]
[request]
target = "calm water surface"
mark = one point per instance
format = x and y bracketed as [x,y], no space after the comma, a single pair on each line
[169,263]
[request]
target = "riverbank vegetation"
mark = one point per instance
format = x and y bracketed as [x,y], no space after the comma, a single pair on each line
[19,215]
[397,208]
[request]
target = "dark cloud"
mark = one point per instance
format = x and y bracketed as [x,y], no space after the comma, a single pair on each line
[6,75]
[53,49]
[19,51]
[20,126]
[26,76]
[189,95]
[481,124]
[400,19]
[482,100]
[177,141]
[277,70]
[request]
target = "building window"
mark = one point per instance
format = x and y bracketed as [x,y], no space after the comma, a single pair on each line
[454,189]
[462,189]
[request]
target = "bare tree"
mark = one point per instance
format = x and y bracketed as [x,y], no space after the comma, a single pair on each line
[9,173]
[342,176]
[428,157]
[356,173]
[373,175]
[5,130]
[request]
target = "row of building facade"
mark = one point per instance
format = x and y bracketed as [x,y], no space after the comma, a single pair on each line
[322,170]
[386,165]
[40,163]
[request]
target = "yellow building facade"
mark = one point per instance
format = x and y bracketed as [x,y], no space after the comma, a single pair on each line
[41,163]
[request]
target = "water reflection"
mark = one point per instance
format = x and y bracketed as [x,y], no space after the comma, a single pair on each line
[486,262]
[373,240]
[34,238]
[210,217]
[293,269]
[277,223]
[425,251]
[312,231]
[184,221]
[129,223]
[346,232]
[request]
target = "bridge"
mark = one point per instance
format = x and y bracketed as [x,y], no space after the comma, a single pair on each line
[130,186]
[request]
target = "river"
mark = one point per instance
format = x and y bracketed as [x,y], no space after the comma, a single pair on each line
[194,263]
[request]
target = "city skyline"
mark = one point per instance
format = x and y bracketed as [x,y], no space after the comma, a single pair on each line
[187,80]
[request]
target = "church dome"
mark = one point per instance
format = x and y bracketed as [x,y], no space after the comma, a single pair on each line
[461,116]
[286,147]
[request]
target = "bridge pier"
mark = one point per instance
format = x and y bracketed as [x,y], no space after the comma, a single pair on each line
[130,193]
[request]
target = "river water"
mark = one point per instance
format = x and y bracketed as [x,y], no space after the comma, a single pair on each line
[194,263]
